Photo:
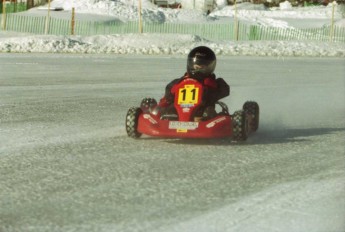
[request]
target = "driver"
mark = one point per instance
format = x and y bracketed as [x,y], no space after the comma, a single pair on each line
[201,63]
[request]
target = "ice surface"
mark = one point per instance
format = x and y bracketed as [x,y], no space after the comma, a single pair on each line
[67,164]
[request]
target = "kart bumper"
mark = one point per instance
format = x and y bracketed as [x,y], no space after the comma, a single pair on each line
[217,127]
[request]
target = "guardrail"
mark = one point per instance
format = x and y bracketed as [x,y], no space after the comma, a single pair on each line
[212,31]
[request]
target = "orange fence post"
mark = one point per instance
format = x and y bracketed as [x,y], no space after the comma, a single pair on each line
[72,21]
[3,18]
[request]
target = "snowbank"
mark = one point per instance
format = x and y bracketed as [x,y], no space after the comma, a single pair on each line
[164,44]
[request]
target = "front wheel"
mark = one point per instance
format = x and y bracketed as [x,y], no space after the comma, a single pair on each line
[132,122]
[240,126]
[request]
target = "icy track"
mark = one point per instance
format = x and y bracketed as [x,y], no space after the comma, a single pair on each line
[66,163]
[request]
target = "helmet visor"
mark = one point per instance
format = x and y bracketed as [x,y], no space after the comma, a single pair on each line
[200,65]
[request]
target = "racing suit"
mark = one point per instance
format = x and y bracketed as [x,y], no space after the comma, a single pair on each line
[214,89]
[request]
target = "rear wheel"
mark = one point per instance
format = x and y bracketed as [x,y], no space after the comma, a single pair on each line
[240,126]
[132,122]
[252,109]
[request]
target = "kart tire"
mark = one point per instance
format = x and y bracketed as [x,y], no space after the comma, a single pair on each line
[252,108]
[132,122]
[147,104]
[240,126]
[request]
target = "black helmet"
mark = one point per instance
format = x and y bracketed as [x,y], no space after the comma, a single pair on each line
[201,62]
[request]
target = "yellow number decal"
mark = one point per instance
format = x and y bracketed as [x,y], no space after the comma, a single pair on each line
[188,95]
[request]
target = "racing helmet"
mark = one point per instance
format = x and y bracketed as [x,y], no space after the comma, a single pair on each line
[201,62]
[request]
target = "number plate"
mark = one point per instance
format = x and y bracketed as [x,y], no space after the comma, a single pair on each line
[188,95]
[183,125]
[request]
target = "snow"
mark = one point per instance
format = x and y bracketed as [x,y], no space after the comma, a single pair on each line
[165,44]
[66,163]
[285,5]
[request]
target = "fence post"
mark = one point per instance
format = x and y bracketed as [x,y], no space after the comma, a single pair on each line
[3,18]
[47,19]
[140,19]
[72,21]
[332,22]
[236,23]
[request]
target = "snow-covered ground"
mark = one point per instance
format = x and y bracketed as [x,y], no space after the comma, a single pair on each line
[66,163]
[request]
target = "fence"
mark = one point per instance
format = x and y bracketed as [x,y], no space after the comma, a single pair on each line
[213,31]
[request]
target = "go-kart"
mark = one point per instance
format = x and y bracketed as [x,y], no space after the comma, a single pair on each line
[185,122]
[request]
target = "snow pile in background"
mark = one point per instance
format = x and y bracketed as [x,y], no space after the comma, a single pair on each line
[248,10]
[127,10]
[165,44]
[285,5]
[123,10]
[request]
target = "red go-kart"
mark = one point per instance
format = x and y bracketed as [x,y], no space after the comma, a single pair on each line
[185,123]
